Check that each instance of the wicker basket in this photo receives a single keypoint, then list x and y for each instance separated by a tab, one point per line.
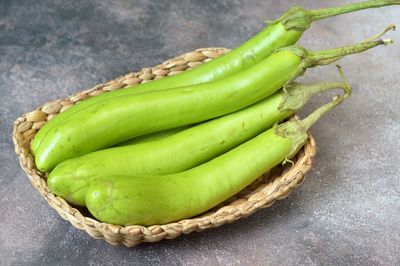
272	186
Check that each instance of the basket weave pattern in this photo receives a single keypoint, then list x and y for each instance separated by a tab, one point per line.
272	186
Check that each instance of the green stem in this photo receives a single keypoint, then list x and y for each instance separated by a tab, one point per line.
370	39
299	19
379	35
346	88
296	95
309	121
334	11
325	57
296	130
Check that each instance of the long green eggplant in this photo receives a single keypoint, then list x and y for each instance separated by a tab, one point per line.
112	121
153	136
285	31
183	150
150	200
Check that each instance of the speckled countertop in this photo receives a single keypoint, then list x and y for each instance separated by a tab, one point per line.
347	212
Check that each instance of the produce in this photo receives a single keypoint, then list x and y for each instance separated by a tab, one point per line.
153	136
109	122
149	200
168	132
184	149
285	31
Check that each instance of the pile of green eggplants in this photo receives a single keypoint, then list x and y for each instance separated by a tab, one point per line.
174	148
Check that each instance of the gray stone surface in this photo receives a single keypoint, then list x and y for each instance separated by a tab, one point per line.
347	212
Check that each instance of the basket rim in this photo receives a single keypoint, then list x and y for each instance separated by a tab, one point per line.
264	194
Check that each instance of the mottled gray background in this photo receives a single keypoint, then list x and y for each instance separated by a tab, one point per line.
347	212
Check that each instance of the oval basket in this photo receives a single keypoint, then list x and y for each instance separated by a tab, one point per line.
272	186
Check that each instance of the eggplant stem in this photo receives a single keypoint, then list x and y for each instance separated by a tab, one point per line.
309	121
346	85
334	11
379	35
370	39
325	57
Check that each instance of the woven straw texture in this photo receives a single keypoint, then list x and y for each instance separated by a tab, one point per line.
272	186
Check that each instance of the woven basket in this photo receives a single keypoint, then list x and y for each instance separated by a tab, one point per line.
272	186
